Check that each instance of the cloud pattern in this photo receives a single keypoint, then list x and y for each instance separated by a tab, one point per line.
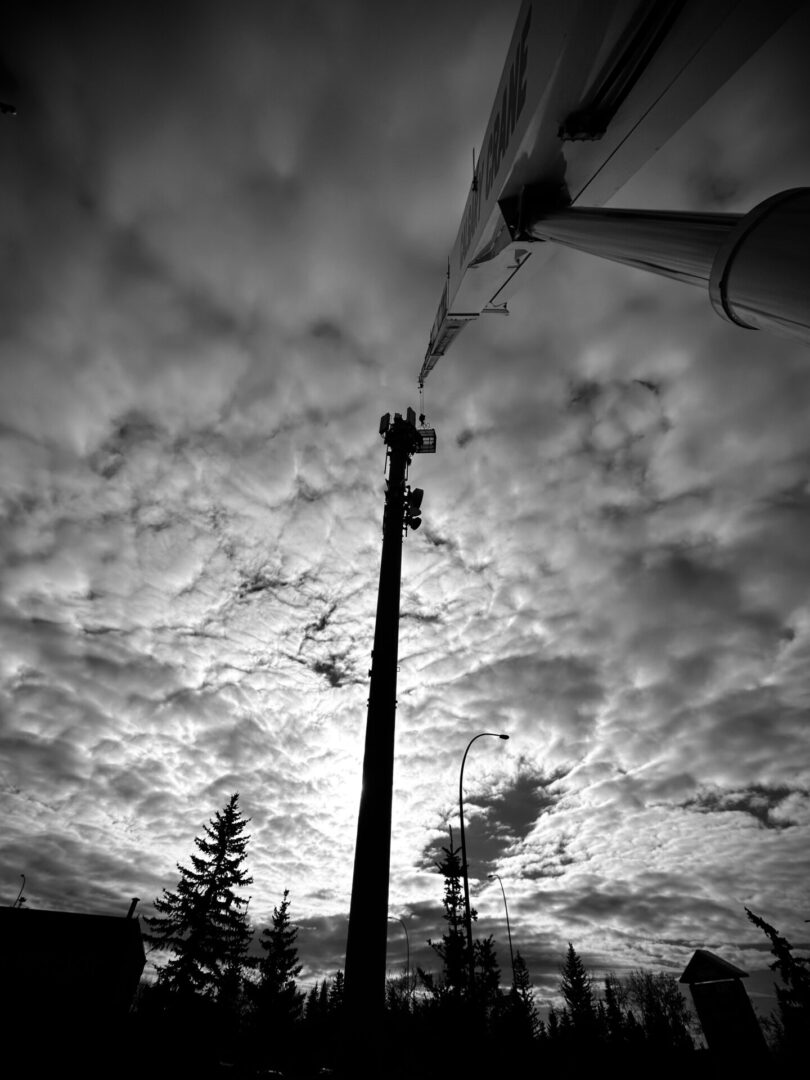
223	243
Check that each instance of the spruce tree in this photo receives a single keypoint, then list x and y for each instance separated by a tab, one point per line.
615	1019
793	996
323	999
487	972
276	1002
204	921
276	995
553	1025
522	999
314	1019
575	986
336	993
452	949
567	1030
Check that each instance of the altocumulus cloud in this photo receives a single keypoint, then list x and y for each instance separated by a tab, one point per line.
225	232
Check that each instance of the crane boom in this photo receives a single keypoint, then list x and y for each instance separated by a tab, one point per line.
589	91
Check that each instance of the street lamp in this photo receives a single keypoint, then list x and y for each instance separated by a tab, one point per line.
467	917
396	918
508	928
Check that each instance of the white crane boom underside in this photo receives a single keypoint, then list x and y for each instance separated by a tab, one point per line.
591	89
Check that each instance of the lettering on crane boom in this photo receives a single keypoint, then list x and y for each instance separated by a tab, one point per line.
500	134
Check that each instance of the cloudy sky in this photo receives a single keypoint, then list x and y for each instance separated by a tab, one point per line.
224	232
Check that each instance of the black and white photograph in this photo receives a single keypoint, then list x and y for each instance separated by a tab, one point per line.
404	538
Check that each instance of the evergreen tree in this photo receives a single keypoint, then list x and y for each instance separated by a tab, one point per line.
276	1001
311	1007
323	999
204	922
634	1032
316	1010
313	1019
601	1022
452	949
487	972
615	1020
334	1016
567	1028
524	1021
553	1025
575	986
793	997
276	994
336	992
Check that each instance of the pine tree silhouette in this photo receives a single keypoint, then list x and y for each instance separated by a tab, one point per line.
487	972
521	999
204	921
575	986
336	992
792	1028
311	1006
276	1002
452	949
278	968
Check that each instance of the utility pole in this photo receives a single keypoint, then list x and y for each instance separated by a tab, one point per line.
368	916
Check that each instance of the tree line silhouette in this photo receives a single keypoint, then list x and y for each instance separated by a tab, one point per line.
215	1008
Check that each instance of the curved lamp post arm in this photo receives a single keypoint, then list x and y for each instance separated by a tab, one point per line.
508	927
396	918
467	914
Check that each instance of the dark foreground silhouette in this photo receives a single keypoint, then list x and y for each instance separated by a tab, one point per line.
226	1003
